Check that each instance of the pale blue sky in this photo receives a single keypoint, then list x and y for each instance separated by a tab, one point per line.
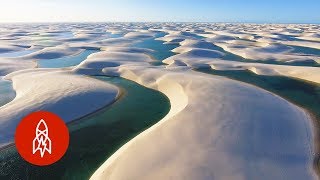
261	11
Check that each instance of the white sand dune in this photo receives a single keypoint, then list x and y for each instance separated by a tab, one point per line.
315	45
4	48
189	45
174	37
265	42
128	39
8	65
107	62
218	38
310	37
252	50
216	129
70	96
139	34
248	49
237	35
301	72
128	50
54	52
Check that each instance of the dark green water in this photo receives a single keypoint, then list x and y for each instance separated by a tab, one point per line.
301	93
95	138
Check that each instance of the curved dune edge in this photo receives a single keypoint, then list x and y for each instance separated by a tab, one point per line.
201	143
12	64
217	127
202	60
68	95
265	52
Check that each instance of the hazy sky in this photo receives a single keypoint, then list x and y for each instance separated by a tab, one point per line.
272	11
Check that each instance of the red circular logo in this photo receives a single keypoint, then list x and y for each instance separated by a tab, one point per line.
42	138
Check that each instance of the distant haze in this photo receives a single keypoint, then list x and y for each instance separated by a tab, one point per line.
256	11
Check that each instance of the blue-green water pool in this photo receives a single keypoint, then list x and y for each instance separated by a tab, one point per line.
65	61
96	137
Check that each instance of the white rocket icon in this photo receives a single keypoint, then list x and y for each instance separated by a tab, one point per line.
42	142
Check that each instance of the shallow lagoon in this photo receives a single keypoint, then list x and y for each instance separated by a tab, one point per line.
136	110
65	61
161	50
96	137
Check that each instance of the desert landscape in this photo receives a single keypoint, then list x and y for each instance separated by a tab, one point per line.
166	100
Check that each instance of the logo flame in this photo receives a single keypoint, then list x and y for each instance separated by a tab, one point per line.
42	142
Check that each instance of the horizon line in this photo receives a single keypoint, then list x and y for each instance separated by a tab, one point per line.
93	22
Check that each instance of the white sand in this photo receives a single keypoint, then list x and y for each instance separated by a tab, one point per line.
139	34
263	42
54	52
305	73
216	129
70	96
108	62
310	37
8	65
266	52
5	48
127	49
174	37
196	53
315	45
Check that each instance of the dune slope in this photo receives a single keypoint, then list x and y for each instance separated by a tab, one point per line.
70	96
216	129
